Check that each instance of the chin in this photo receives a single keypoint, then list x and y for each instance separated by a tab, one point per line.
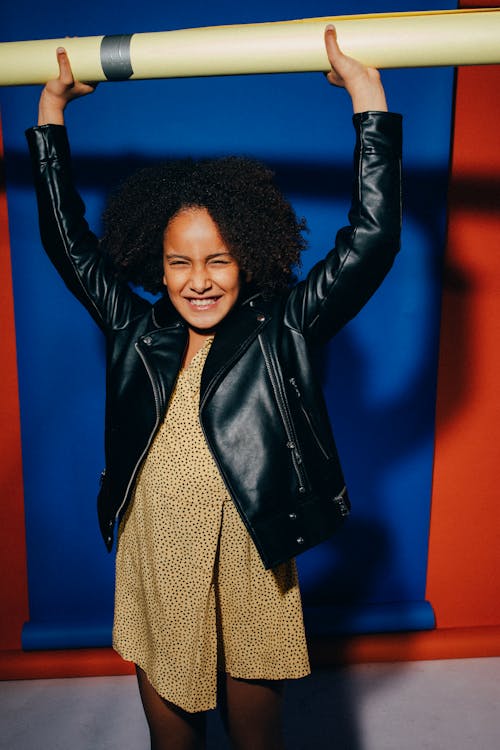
203	325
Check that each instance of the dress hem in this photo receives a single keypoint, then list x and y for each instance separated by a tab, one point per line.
236	674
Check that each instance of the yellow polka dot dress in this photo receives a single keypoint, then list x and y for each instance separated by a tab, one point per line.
192	595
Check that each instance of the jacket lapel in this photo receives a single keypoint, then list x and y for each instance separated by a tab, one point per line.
234	335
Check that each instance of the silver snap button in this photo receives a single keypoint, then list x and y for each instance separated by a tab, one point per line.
261	318
290	445
292	516
302	490
300	540
148	340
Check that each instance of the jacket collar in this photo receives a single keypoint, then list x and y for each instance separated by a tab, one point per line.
234	334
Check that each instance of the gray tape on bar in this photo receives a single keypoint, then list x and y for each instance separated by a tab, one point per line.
115	57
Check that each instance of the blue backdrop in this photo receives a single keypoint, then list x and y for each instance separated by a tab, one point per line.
379	373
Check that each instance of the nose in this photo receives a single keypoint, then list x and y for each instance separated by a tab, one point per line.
199	281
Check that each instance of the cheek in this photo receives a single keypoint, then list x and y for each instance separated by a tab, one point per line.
233	282
170	279
174	299
171	285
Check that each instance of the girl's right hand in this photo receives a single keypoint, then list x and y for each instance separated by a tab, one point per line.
362	82
58	92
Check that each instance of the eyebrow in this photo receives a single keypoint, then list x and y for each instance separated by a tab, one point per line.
208	257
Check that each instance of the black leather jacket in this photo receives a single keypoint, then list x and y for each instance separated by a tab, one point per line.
261	406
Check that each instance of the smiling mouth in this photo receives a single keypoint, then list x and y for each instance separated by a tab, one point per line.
202	304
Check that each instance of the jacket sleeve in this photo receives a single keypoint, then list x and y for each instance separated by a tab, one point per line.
69	243
338	286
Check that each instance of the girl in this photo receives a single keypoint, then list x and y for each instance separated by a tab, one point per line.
220	462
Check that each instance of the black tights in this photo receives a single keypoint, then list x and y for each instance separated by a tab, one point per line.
250	711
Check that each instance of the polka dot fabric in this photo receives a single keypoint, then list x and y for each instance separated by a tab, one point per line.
192	595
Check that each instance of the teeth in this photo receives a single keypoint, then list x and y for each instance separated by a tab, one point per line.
202	302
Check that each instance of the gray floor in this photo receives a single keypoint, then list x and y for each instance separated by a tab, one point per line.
434	705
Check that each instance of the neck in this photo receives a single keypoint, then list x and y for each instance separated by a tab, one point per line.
195	342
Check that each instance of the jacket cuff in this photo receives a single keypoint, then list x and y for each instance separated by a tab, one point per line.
48	143
379	132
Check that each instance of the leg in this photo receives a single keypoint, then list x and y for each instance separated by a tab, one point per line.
170	727
251	711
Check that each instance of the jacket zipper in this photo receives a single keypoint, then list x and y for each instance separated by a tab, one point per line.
339	499
293	382
153	432
292	442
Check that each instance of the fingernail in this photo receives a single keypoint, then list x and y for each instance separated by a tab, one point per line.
60	50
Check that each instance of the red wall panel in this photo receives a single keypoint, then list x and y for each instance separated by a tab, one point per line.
13	583
464	555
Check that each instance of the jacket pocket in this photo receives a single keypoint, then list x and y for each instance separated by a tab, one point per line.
309	419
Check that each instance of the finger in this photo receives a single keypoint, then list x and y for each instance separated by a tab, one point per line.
335	56
334	78
331	43
65	72
330	32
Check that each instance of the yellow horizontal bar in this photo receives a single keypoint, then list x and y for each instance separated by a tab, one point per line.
385	40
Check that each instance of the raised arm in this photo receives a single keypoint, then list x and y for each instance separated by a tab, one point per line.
338	286
71	246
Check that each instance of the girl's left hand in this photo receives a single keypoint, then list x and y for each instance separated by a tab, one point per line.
363	83
58	92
